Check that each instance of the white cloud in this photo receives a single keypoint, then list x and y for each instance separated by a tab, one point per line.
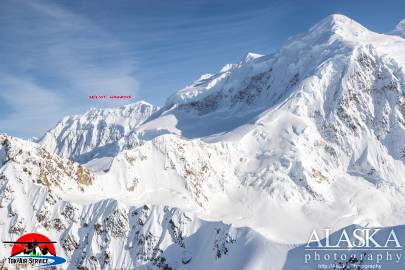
67	56
34	109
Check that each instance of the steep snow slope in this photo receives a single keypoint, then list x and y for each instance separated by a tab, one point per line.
96	133
330	105
97	233
236	95
111	233
106	233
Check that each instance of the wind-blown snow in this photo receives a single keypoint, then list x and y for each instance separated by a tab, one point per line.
400	29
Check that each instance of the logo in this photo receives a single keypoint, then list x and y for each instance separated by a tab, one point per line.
354	248
34	249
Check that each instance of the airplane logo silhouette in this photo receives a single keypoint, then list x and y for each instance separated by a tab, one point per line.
30	246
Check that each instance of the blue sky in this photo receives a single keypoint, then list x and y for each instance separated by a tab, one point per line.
54	54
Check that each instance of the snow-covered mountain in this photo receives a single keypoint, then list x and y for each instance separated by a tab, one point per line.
234	171
44	193
96	133
329	105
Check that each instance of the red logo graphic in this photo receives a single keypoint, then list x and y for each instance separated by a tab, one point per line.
27	244
34	249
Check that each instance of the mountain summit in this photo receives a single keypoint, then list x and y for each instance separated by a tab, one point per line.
338	24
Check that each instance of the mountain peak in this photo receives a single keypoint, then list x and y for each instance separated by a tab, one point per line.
335	20
79	137
338	19
249	57
138	105
338	24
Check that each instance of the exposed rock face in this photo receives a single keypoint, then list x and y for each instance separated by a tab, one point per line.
31	162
